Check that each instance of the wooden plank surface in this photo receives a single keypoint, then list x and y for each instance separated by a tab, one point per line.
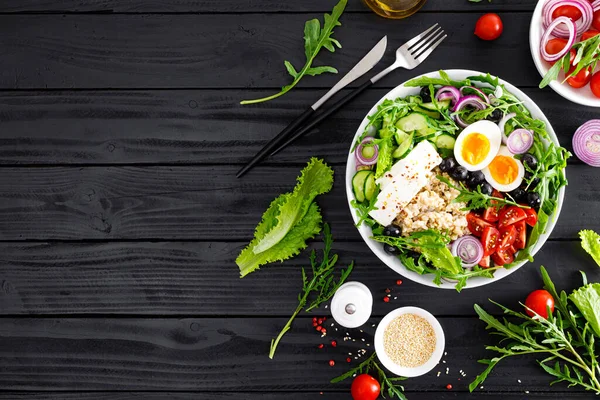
223	354
193	126
201	279
234	6
234	50
193	203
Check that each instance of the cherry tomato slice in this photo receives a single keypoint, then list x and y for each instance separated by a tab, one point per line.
539	301
595	84
491	214
508	235
580	79
476	224
485	262
589	34
532	217
521	238
502	257
596	20
556	45
567	11
490	239
489	27
510	215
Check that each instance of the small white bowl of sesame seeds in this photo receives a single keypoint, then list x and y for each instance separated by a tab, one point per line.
409	341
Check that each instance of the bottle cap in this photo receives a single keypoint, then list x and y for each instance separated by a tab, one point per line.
351	305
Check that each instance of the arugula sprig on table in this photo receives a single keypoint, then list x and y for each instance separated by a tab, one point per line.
567	339
322	284
388	385
315	39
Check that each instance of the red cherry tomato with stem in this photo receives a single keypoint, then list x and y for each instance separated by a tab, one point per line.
539	301
489	27
365	387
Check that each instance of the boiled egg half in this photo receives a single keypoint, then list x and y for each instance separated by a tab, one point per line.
505	172
477	145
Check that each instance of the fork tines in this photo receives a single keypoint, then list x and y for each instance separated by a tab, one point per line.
422	45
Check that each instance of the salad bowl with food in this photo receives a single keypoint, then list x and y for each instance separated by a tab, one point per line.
455	179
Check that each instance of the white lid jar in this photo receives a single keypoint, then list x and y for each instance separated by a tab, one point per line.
352	304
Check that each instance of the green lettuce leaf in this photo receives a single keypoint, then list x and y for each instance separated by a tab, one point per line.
587	300
295	241
316	178
590	241
440	257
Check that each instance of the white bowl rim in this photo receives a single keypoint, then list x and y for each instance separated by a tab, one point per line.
393	262
583	96
437	352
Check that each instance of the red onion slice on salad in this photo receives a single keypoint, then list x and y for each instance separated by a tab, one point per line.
552	30
581	25
469	249
476	91
519	141
586	143
448	92
503	122
367	152
472	101
596	5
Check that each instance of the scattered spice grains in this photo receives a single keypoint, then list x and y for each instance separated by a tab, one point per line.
331	363
399	282
449	386
321	346
386	299
333	343
409	340
348	359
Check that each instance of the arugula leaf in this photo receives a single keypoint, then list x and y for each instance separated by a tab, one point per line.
315	39
475	199
316	178
384	160
290	220
587	300
443	80
590	241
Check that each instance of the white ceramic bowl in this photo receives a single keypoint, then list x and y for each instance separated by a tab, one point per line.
580	96
365	231
405	371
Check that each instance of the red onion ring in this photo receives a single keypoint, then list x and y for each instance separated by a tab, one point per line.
586	143
360	158
471	100
520	141
553	27
503	122
581	25
596	5
469	249
477	91
448	92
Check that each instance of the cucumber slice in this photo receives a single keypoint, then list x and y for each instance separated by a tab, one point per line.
445	141
386	132
429	113
401	136
358	184
404	147
370	187
415	122
444	105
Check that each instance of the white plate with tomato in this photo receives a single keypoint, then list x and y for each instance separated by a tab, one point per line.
562	32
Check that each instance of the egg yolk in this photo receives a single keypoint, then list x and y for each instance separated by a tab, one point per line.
475	148
504	169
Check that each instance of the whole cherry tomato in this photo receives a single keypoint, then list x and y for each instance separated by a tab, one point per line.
365	387
539	301
489	27
595	84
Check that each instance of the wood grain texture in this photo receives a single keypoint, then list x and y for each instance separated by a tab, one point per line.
223	354
201	279
193	126
193	203
233	6
233	50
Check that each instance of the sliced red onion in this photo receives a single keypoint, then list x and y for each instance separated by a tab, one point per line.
469	249
360	157
477	91
472	101
549	31
519	141
503	122
596	5
586	143
581	25
448	92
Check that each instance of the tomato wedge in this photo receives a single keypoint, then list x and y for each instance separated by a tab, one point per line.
491	214
476	224
502	257
512	249
532	217
485	262
589	34
508	235
521	238
580	79
510	216
490	239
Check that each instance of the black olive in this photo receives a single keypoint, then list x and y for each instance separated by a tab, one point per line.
517	194
529	160
495	115
391	250
530	183
425	94
448	164
533	200
459	173
486	188
392	230
414	255
475	179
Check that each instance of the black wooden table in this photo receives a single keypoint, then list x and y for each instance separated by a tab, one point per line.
121	217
